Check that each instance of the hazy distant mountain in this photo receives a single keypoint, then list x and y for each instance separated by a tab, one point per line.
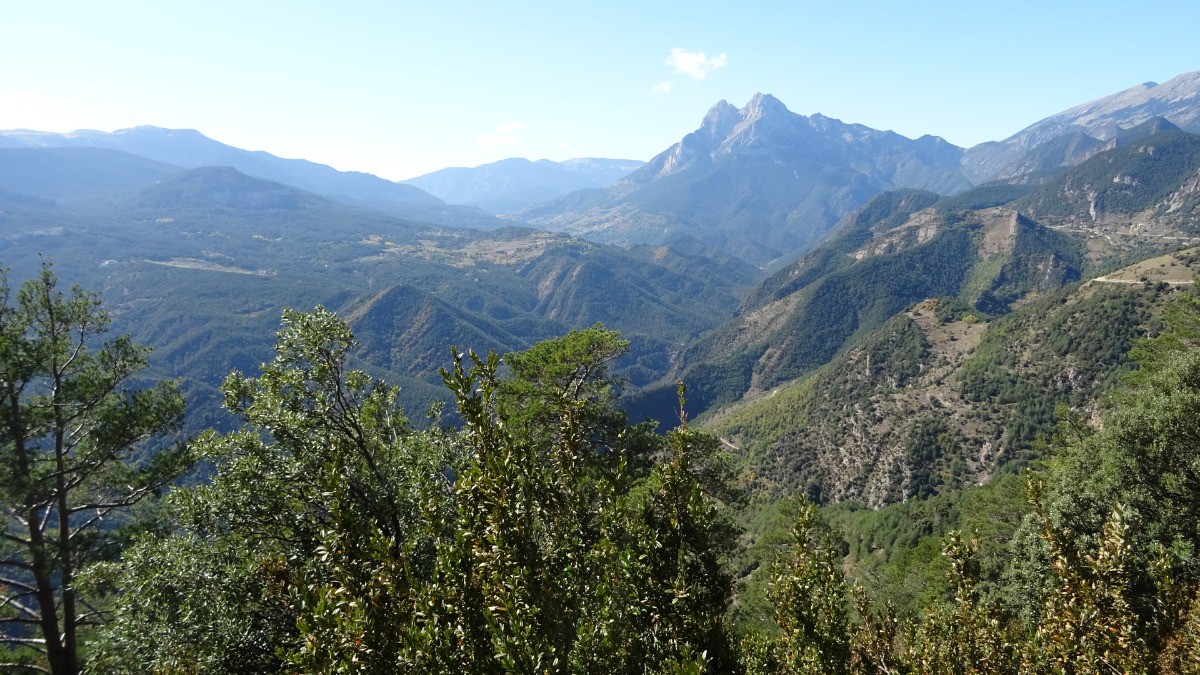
190	149
1075	134
222	187
76	173
513	184
199	262
760	182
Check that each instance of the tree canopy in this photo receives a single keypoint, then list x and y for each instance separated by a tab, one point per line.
80	446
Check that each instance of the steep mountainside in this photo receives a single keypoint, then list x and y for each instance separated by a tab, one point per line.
938	397
511	185
1128	202
1075	134
191	149
1140	174
759	182
955	387
896	251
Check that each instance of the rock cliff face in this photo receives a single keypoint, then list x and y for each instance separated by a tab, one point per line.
760	182
765	128
1073	135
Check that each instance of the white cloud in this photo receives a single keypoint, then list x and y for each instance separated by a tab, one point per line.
503	136
662	88
695	64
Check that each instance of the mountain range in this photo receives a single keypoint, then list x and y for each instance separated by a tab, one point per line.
200	262
187	148
1073	135
511	185
766	184
818	285
759	181
928	341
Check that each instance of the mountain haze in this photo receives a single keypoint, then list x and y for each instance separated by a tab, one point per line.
198	256
200	262
72	174
513	184
187	148
760	182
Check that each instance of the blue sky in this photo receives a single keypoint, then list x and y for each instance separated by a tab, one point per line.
400	88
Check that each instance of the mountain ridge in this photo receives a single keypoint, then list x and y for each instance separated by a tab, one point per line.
1101	120
512	184
188	148
760	182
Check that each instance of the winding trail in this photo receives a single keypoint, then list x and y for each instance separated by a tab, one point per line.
1132	282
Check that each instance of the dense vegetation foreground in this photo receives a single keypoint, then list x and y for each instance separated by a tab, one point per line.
541	532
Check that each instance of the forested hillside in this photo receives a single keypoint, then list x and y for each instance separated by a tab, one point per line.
940	396
545	534
895	252
200	263
991	248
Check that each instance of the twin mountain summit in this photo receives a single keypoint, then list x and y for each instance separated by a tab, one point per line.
827	291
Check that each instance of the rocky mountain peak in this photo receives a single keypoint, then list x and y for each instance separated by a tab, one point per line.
763	117
762	105
720	120
724	130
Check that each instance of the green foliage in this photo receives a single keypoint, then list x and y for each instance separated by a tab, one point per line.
326	464
950	308
883	261
548	535
1039	260
983	197
877	289
79	447
810	601
1181	319
567	377
1061	350
1127	179
1095	574
965	635
1088	617
545	535
895	552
